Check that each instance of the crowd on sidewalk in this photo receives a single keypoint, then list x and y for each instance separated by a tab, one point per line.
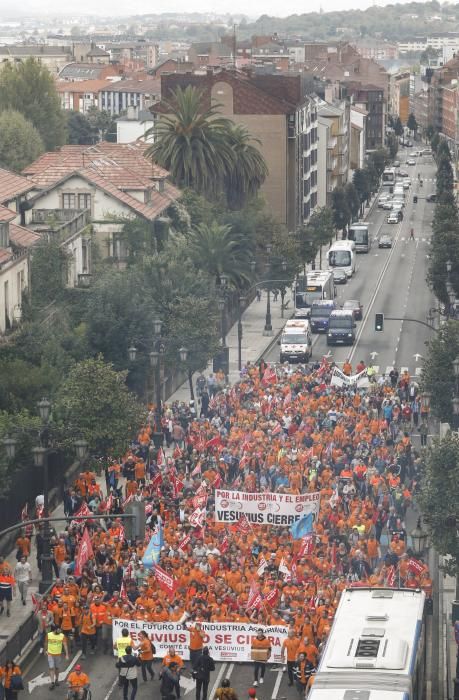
283	431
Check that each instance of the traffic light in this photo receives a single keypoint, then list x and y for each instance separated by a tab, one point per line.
379	322
135	527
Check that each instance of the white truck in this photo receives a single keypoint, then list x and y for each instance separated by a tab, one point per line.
296	341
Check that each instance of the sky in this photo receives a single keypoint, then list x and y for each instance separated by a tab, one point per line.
253	9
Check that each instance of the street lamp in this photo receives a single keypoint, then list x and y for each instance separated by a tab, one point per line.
419	539
44	409
183	354
81	449
132	351
10	447
221	306
268	329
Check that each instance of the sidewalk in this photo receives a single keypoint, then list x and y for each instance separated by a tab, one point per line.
254	343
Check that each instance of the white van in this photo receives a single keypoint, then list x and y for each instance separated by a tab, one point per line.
296	341
342	255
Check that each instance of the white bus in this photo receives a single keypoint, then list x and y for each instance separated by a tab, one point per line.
388	177
342	255
376	647
314	286
360	234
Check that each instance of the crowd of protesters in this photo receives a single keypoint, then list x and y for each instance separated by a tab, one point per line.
287	431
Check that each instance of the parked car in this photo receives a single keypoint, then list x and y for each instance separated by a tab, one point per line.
406	183
432	197
339	276
403	173
414	154
355	306
387	204
385	241
384	198
396	163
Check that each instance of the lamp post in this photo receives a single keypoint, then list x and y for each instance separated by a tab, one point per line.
455	399
239	333
268	329
419	539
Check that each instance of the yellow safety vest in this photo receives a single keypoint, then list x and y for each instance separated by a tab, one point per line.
55	642
121	644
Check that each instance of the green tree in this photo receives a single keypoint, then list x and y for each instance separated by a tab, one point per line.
192	142
79	129
398	127
102	123
392	142
93	402
434	142
439	499
20	142
48	273
29	88
378	160
321	228
412	123
218	249
249	170
352	200
341	211
430	131
362	184
28	425
445	180
443	152
438	373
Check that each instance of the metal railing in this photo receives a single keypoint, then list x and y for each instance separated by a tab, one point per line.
61	224
15	645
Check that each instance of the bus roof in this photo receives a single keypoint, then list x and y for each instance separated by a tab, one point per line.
375	630
318	276
342	245
355	694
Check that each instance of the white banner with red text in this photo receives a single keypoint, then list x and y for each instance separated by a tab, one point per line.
227	641
265	508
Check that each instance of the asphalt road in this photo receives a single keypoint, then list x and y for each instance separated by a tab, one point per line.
391	281
103	676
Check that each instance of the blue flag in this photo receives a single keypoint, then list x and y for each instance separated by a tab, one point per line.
302	527
151	555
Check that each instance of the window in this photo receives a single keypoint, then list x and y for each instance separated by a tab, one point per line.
84	201
68	200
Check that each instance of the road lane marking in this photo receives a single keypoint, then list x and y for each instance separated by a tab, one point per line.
217	681
112	688
277	684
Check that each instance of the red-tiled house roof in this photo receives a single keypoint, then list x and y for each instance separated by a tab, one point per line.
12	185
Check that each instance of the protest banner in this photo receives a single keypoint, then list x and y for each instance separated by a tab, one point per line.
338	378
227	641
264	508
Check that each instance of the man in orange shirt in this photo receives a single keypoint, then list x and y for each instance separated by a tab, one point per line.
78	683
261	651
290	653
197	637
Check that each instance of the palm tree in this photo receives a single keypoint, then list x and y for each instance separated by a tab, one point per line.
219	250
192	142
249	171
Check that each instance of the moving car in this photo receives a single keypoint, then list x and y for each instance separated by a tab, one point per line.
296	341
394	217
355	306
414	154
411	161
385	241
396	163
381	201
341	327
403	173
406	183
431	197
388	204
339	276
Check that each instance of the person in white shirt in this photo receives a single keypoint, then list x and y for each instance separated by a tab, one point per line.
23	576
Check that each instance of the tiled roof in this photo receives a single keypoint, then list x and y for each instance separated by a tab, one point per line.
249	97
12	185
150	86
22	237
84	71
5	255
7	214
82	85
114	168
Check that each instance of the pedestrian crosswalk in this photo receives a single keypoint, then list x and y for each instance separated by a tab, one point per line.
413	372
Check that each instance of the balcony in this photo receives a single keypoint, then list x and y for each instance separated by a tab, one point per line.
59	224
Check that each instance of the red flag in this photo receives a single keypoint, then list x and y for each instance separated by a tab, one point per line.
166	582
243	524
122	534
254	599
307	545
224	545
184	543
25	512
277	429
218	481
82	510
213	442
160	458
128	499
157	480
36	602
324	366
84	553
391	576
262	566
199	501
269	376
198	517
416	567
177	486
197	470
123	592
271	597
177	453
